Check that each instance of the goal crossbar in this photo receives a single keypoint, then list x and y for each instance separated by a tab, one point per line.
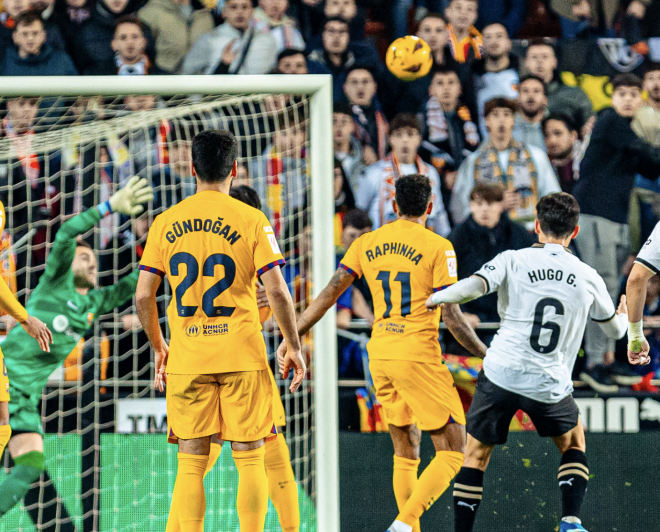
319	89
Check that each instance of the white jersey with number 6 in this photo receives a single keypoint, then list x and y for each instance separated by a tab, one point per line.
545	296
649	255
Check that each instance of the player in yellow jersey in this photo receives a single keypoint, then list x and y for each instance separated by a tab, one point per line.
34	327
403	263
282	487
211	246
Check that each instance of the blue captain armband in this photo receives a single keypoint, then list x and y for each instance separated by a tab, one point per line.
104	209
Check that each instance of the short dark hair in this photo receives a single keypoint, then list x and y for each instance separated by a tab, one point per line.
560	117
129	19
652	67
342	108
353	68
213	155
488	193
527	77
27	18
333	19
413	194
558	214
443	69
357	218
289	52
404	120
496	24
626	80
540	41
80	243
247	195
497	103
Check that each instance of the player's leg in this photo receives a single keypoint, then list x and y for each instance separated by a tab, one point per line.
282	486
193	406
488	423
405	435
449	443
428	392
406	441
27	451
469	483
246	400
573	476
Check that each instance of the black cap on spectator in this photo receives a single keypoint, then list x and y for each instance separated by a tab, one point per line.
627	80
357	218
560	117
368	68
404	120
288	52
342	108
527	77
498	103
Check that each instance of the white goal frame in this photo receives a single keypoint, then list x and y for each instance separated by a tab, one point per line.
319	88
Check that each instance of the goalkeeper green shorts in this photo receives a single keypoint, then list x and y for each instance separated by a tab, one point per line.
24	413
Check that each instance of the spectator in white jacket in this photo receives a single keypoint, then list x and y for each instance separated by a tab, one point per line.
524	170
235	47
376	188
271	17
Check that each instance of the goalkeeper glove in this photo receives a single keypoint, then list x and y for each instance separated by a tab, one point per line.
128	200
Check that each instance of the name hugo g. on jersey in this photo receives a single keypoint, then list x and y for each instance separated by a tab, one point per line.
403	263
210	247
545	296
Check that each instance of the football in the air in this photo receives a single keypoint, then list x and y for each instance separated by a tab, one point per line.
409	58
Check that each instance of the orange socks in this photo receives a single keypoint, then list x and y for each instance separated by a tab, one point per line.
404	480
188	499
282	487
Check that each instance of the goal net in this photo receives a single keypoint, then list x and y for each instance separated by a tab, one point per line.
105	445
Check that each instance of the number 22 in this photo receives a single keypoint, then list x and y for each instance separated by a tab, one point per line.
208	270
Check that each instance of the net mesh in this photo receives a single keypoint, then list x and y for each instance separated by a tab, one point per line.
60	156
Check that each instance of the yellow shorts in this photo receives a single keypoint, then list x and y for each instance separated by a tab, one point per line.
235	406
4	381
279	415
416	392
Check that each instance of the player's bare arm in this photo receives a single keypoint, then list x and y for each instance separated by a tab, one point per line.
339	282
638	347
282	305
147	309
463	332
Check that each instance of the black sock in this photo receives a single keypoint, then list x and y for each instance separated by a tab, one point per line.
573	478
49	519
468	490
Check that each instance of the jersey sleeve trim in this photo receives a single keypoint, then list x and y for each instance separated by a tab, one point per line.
647	265
441	288
477	274
270	266
349	270
150	269
604	319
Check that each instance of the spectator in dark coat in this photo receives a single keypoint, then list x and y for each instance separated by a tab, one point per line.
129	45
338	54
291	61
487	232
563	148
612	160
509	13
93	48
31	55
13	8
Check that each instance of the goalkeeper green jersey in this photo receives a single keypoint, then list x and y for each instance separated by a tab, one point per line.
57	303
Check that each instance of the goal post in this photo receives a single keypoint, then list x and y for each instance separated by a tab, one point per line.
318	88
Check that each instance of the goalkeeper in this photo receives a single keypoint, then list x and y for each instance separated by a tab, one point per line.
65	299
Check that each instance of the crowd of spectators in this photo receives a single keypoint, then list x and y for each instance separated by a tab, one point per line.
525	98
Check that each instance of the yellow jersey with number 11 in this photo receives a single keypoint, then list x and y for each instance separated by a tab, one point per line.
210	246
403	264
